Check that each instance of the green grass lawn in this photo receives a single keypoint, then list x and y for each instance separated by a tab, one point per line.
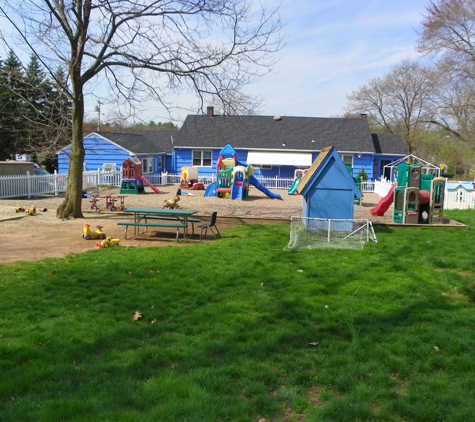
240	330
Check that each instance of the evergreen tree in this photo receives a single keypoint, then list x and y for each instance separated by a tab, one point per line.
60	117
38	95
35	114
11	104
5	150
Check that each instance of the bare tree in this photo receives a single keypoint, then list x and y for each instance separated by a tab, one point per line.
399	102
449	36
449	33
146	49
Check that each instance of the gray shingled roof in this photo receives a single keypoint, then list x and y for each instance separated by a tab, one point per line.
264	132
143	142
388	144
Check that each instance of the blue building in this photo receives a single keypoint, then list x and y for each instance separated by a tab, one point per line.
109	150
274	145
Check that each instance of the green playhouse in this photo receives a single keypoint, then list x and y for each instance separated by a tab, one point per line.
132	182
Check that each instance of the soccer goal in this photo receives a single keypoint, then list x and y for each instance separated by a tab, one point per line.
312	233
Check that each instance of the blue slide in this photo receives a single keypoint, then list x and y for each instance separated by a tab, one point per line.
293	188
254	182
211	190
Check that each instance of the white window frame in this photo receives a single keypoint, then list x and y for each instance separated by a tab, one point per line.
262	166
198	158
147	165
347	156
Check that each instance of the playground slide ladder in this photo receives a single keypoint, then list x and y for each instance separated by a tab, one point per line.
237	191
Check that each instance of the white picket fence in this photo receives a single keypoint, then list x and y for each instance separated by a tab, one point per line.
99	178
459	199
32	185
55	184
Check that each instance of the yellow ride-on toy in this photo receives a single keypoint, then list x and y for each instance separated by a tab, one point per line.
88	234
107	242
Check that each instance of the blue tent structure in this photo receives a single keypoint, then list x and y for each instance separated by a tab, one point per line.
328	188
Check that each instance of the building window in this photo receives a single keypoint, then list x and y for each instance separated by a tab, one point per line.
375	168
201	158
147	165
262	166
347	160
159	161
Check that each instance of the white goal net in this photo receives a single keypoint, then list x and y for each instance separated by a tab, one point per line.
312	233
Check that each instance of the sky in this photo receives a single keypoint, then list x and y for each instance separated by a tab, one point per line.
333	47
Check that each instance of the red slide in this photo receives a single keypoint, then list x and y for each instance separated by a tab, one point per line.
144	179
384	203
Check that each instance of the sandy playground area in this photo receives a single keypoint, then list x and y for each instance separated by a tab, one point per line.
31	238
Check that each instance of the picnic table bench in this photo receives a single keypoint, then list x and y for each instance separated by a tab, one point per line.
188	220
178	226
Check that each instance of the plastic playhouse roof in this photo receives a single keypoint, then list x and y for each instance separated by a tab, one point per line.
427	167
468	186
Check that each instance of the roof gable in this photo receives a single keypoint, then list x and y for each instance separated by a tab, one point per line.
461	185
142	142
327	168
138	142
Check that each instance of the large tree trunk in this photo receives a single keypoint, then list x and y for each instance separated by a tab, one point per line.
72	204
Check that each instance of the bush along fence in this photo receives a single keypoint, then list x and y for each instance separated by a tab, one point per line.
55	184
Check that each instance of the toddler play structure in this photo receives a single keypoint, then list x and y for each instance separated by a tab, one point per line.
132	178
418	198
189	179
233	178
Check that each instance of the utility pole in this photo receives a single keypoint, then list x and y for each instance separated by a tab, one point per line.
98	109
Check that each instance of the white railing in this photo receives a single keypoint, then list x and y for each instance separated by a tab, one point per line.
382	187
32	185
459	200
367	186
91	180
55	184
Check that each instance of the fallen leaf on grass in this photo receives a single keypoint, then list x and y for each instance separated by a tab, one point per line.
436	349
313	344
154	271
153	321
300	271
137	316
